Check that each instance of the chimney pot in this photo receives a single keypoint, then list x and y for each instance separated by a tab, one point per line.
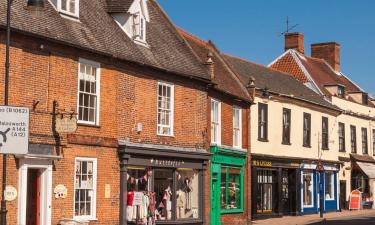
294	41
329	51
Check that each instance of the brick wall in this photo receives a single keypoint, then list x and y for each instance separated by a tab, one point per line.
128	97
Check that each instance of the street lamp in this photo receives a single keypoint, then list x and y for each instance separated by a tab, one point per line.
33	6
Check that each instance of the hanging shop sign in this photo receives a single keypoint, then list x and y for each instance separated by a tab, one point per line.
66	124
10	193
60	191
355	200
14	130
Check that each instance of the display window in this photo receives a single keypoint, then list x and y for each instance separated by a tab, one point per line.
308	189
329	186
266	189
162	194
231	188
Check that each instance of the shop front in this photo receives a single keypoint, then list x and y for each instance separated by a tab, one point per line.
313	183
275	186
363	176
161	184
227	182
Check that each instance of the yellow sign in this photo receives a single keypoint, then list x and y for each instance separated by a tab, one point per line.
262	163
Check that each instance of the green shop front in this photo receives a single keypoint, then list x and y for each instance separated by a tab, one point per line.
227	182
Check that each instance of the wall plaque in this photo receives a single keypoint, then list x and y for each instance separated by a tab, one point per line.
60	191
10	193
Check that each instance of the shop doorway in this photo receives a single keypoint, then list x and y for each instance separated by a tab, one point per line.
215	195
33	197
288	191
343	194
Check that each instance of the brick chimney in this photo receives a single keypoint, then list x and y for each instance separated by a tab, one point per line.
329	51
294	41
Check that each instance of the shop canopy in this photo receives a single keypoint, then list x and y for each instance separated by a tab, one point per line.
367	168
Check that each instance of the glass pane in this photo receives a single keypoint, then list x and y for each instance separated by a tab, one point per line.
63	5
187	205
163	187
308	184
223	188
72	6
139	179
234	188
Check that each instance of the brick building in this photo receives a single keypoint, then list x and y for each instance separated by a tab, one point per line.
140	96
228	107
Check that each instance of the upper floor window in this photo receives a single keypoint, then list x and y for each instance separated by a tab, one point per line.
85	188
341	91
306	129
68	7
215	122
286	126
237	134
353	139
364	141
341	137
364	99
165	108
139	27
88	92
324	133
262	122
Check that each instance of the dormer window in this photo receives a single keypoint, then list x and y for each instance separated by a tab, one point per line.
364	99
67	7
134	21
341	91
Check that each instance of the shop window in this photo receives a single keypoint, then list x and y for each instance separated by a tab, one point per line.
286	126
329	186
324	133
237	134
341	137
165	109
262	122
231	189
215	122
85	188
88	92
306	129
364	141
308	189
152	192
266	187
353	139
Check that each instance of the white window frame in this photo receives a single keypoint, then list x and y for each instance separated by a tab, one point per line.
332	187
141	27
239	129
66	12
313	186
171	117
218	138
98	83
95	174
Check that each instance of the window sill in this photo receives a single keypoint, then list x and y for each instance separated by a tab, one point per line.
325	149
263	140
231	211
165	135
286	143
342	151
306	146
83	124
84	219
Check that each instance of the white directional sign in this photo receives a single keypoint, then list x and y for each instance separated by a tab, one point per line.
14	130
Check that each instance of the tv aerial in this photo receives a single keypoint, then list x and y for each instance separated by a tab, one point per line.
289	27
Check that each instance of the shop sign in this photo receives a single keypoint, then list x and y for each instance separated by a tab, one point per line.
14	130
66	125
355	200
262	163
10	193
173	163
264	210
60	191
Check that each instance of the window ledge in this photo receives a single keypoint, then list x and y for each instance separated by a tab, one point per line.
286	143
231	211
84	219
325	149
83	124
165	135
263	140
306	146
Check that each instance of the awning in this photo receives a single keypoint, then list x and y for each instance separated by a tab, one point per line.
367	168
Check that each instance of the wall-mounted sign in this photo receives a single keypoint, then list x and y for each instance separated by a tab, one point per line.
10	193
262	163
60	191
66	124
173	163
107	191
14	130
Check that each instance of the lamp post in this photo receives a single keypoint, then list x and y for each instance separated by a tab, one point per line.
33	6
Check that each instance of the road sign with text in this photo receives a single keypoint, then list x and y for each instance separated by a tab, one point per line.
14	130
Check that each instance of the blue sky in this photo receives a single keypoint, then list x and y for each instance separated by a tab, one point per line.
251	28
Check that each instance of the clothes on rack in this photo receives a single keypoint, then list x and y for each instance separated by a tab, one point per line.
141	208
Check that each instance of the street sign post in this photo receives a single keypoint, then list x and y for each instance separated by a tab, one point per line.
320	169
14	130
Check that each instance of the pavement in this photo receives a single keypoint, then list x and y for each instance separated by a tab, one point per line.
361	217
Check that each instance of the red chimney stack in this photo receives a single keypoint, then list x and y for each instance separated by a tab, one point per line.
329	51
294	41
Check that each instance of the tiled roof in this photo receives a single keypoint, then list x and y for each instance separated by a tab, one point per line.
224	78
118	6
362	158
97	31
319	71
275	81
